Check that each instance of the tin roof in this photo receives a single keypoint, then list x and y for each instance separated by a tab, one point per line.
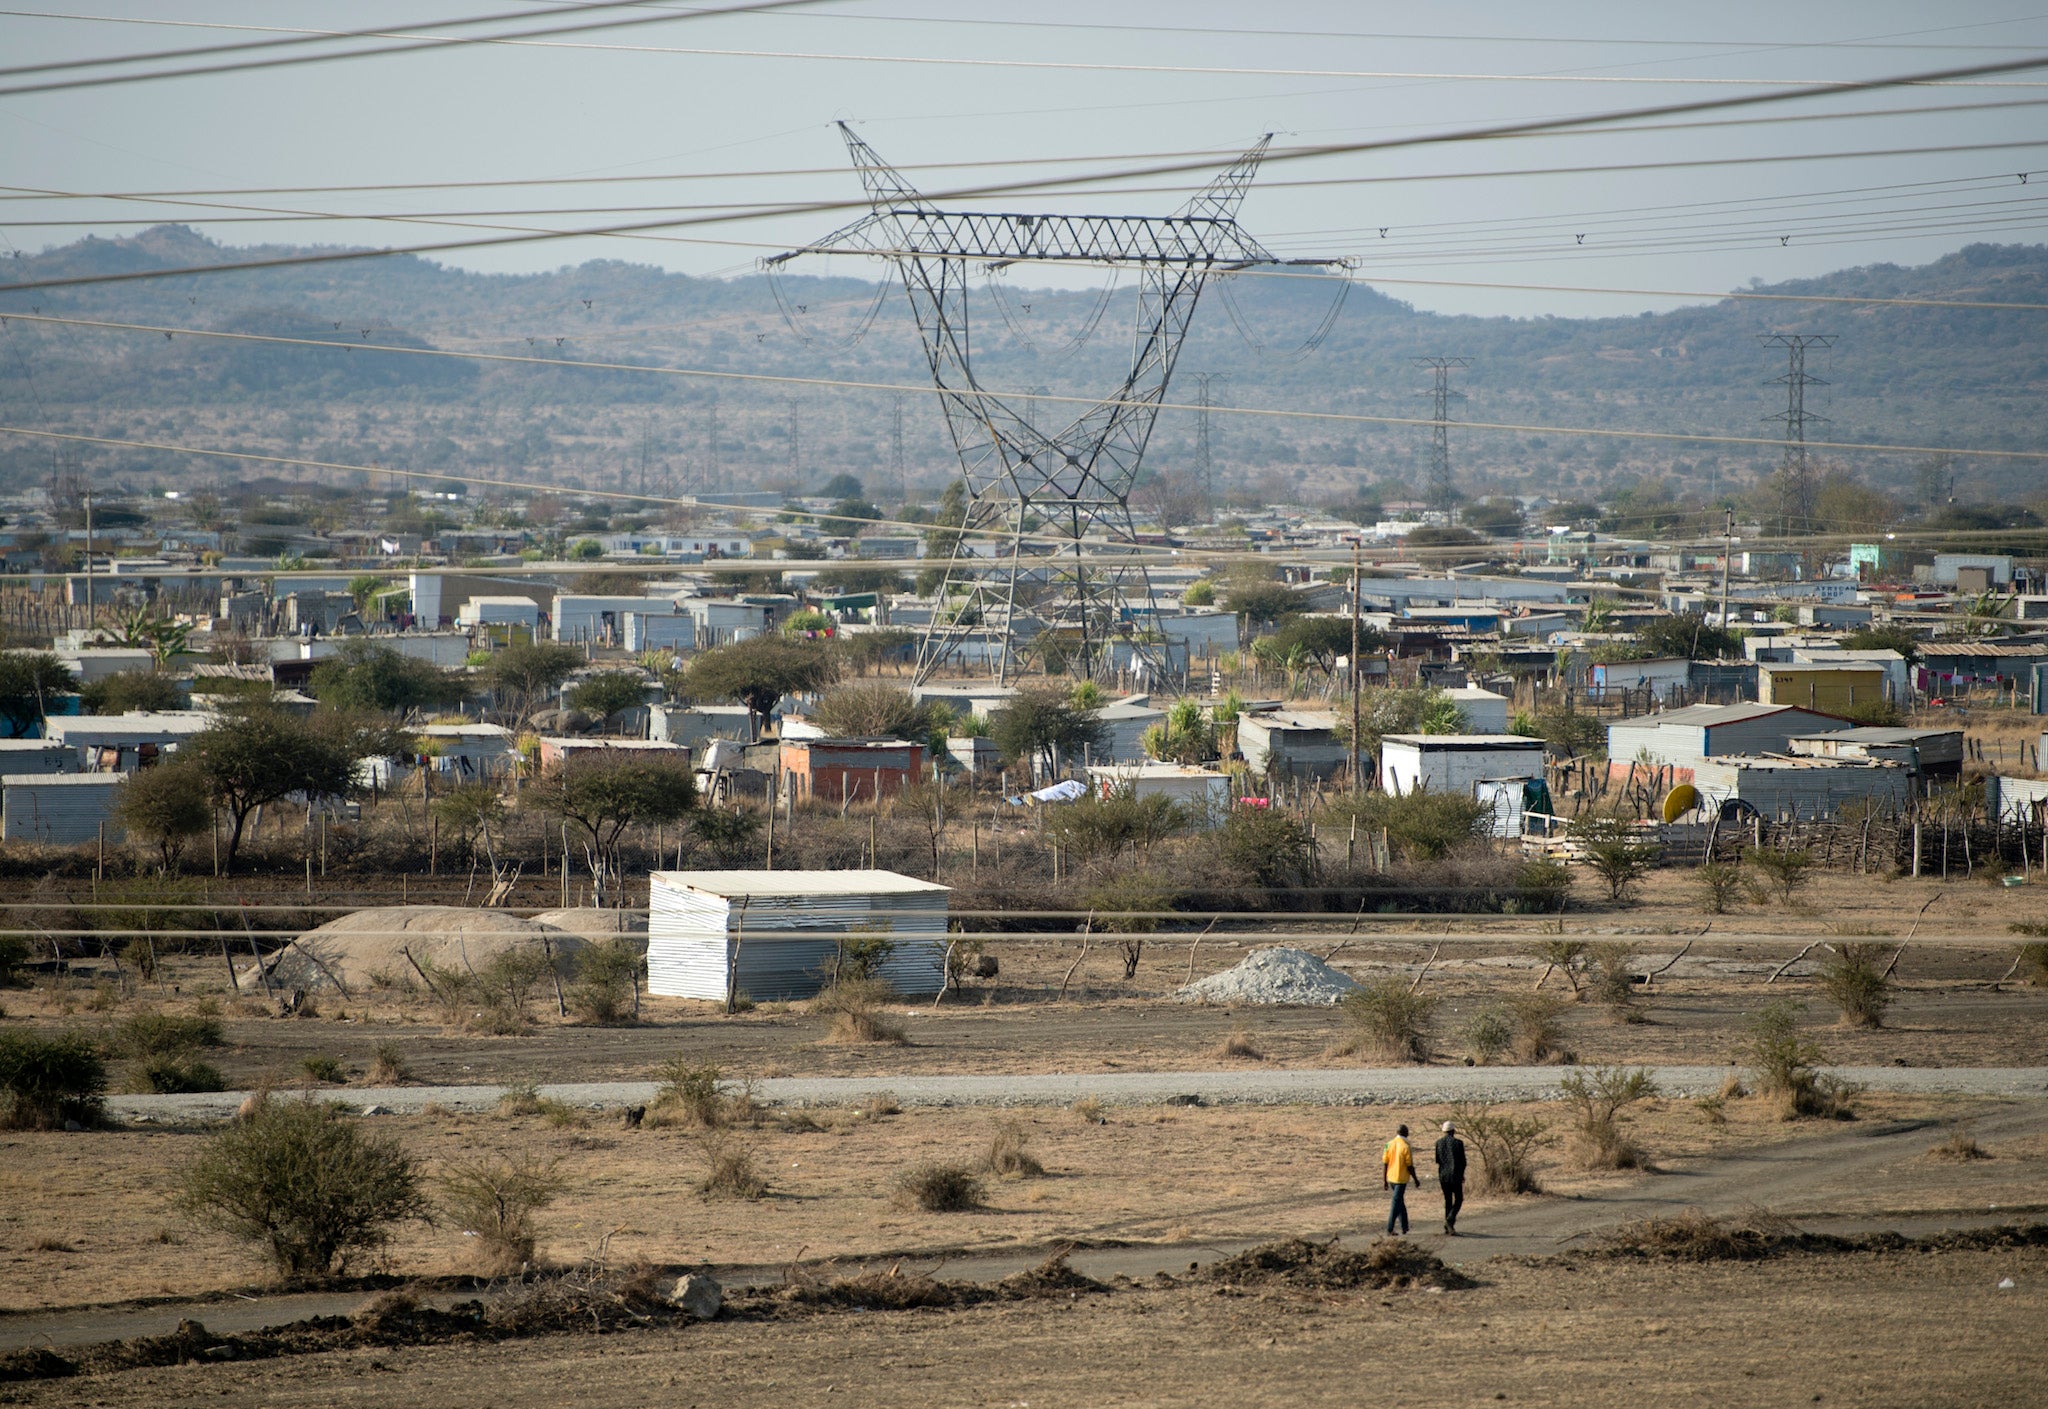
753	884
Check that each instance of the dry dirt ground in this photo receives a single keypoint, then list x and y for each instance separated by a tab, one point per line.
1900	1329
88	1218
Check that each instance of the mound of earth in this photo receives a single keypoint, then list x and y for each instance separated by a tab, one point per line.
1271	976
1388	1263
369	946
593	925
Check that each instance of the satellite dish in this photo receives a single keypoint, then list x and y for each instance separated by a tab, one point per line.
1679	801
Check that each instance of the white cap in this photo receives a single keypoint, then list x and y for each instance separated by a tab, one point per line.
1448	1127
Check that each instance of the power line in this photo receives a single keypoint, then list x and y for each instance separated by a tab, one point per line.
1477	134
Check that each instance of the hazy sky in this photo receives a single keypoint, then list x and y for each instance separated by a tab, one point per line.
726	99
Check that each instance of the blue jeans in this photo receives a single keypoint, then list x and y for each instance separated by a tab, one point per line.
1398	1213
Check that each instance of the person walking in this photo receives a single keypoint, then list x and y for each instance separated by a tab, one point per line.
1450	1175
1398	1172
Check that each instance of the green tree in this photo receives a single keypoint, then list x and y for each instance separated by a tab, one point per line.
758	673
1883	638
1186	735
1261	602
1045	725
471	810
1199	594
306	1183
1496	518
523	675
127	690
363	587
1689	636
1317	640
849	580
28	680
165	807
1616	852
368	675
605	794
608	693
259	753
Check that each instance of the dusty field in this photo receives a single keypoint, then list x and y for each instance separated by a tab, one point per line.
88	1219
1911	1329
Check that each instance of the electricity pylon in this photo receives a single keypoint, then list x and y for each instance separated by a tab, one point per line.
1048	500
1442	489
1797	501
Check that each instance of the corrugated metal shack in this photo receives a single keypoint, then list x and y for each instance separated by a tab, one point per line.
772	935
1292	744
1799	789
1926	753
1453	763
58	809
37	756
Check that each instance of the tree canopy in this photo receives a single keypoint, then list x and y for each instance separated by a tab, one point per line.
522	675
1045	725
872	710
259	753
371	675
609	692
165	807
128	690
27	681
1689	636
609	792
1262	603
1318	640
758	673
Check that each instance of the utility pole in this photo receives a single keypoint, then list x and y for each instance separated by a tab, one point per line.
1441	488
87	499
1357	673
1727	558
1796	502
796	457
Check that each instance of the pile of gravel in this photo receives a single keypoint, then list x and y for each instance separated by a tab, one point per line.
1278	975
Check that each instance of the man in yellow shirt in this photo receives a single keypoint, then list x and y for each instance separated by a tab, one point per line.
1399	1171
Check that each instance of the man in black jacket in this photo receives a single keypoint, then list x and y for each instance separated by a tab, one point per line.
1450	1175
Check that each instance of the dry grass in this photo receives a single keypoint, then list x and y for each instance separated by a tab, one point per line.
688	1095
1960	1147
857	1009
730	1172
1387	1020
388	1066
1090	1111
523	1099
1238	1047
939	1188
1692	1236
1007	1157
879	1106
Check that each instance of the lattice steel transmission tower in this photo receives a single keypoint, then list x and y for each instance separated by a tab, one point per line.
1205	464
1442	489
1048	501
1796	501
896	462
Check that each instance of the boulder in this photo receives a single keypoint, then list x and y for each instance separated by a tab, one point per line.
699	1295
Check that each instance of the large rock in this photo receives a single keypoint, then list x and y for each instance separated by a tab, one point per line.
699	1295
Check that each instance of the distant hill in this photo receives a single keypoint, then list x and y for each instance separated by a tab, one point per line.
1904	375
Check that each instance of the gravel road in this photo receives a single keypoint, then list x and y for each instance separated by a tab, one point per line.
1353	1087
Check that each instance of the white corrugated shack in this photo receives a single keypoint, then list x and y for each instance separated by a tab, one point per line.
1454	763
59	809
772	935
37	756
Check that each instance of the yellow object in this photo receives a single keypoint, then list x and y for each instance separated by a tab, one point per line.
1679	801
1400	1161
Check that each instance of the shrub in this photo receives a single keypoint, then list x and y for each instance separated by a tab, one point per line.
522	1099
1784	1061
1089	1111
1420	826
1718	884
1539	1026
304	1182
861	952
1238	1045
1491	1033
1599	1100
1787	870
1389	1020
1615	851
388	1066
1007	1158
938	1188
607	975
1541	886
1568	956
1505	1144
48	1080
1614	979
729	1170
496	1200
321	1067
857	1012
2033	960
14	957
1264	847
176	1075
154	1034
1960	1147
1853	976
689	1091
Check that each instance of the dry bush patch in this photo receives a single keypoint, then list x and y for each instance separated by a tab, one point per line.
1387	1020
1238	1047
730	1171
1960	1147
939	1188
494	1200
858	1011
1007	1157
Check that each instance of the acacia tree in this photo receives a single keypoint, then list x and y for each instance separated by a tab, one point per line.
523	675
872	710
1044	724
605	794
609	692
165	806
27	681
260	753
371	675
758	673
127	690
1317	640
